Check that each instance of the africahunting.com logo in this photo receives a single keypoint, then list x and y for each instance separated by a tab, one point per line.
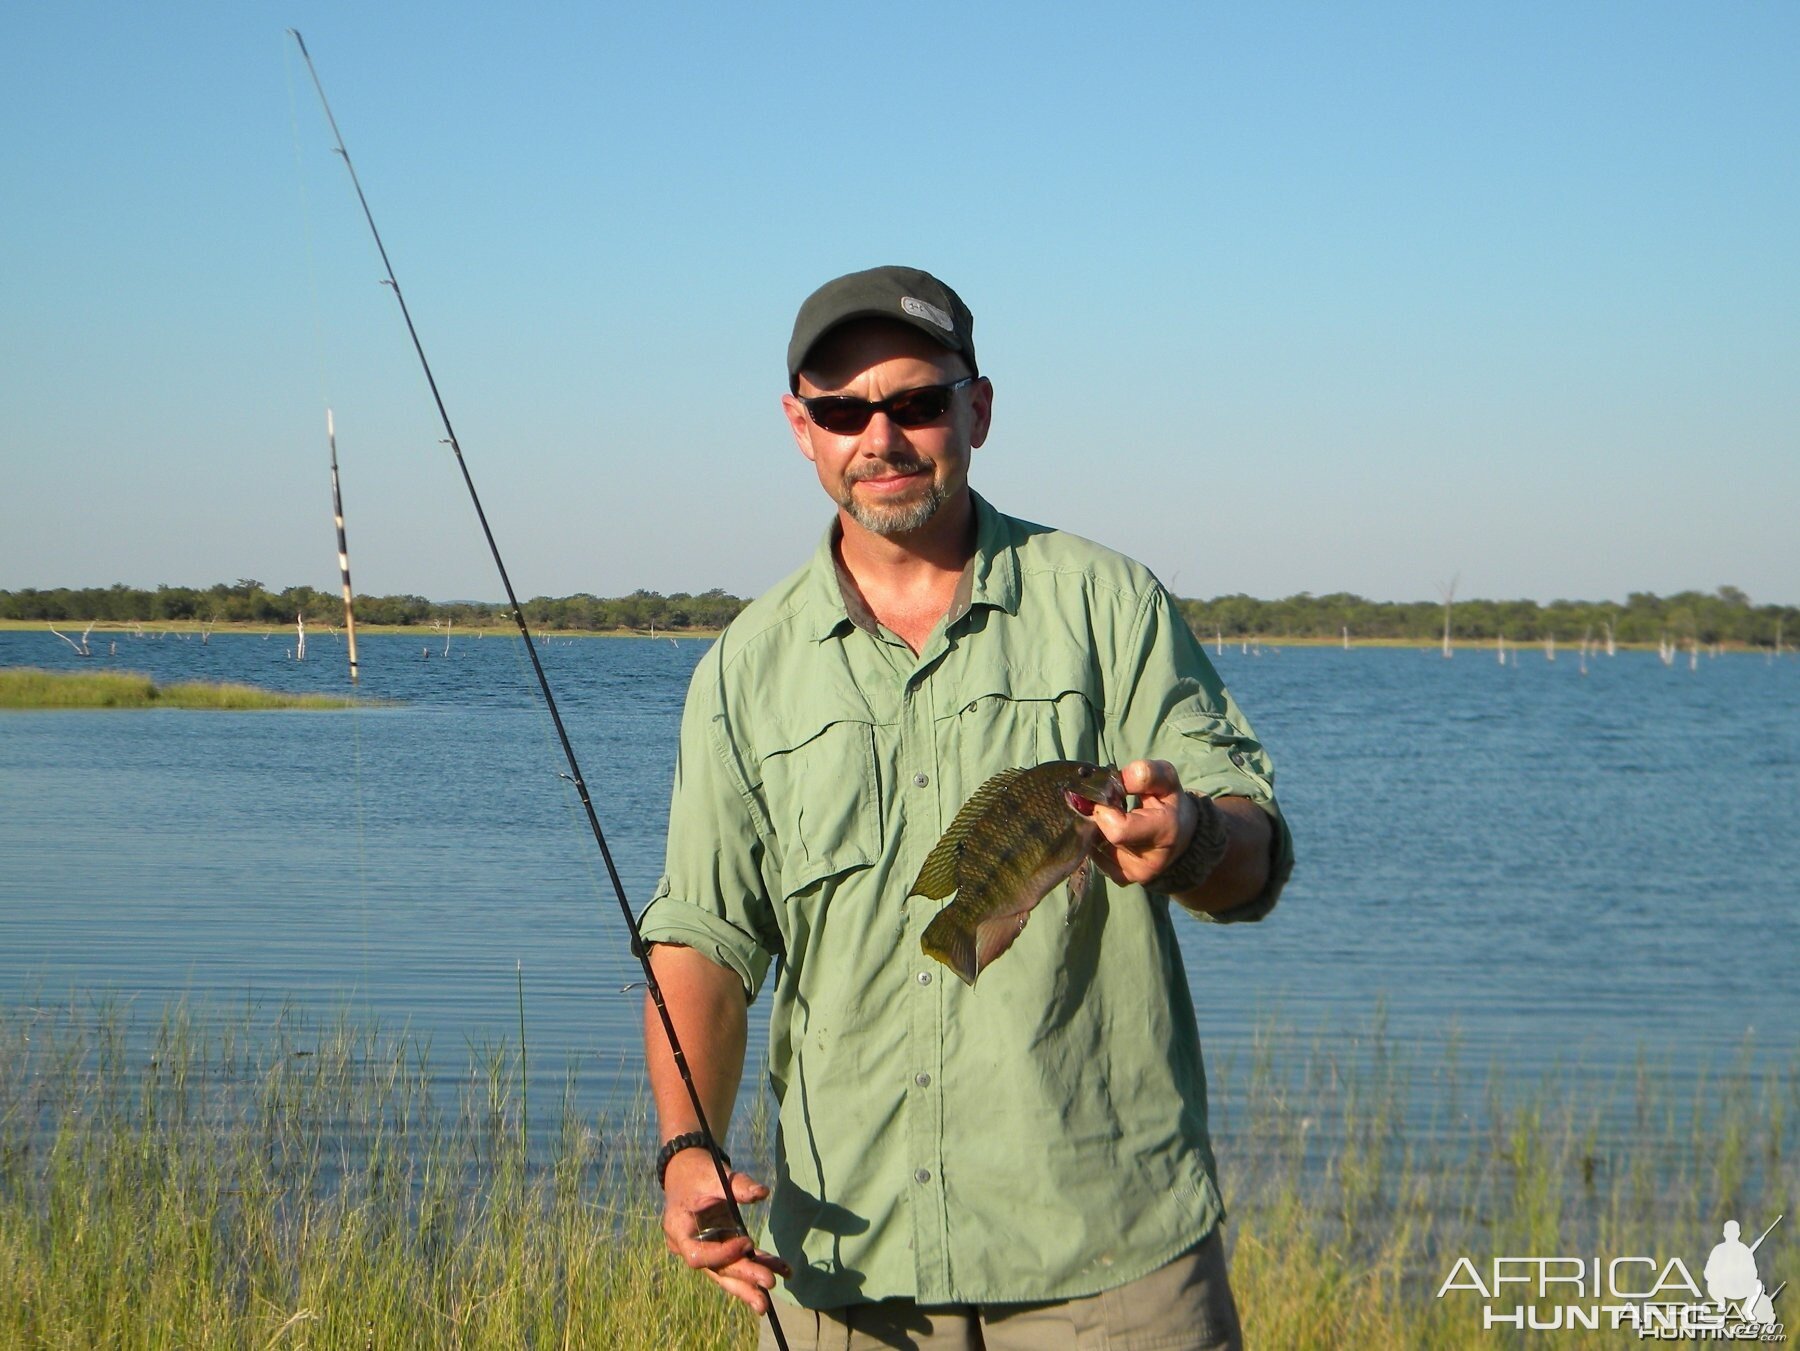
1657	1299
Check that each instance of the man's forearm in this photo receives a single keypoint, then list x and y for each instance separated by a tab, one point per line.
1243	871
706	1002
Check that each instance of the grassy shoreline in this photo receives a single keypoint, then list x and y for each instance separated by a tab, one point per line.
259	1180
24	688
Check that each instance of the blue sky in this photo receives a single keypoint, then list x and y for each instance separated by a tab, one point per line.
1275	298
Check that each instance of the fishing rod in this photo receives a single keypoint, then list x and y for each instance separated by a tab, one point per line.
638	950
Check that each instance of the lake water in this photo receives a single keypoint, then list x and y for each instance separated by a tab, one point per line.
1542	866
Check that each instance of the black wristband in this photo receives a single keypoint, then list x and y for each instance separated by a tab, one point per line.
689	1140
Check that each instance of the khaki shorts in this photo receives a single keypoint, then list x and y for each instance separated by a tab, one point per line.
1184	1306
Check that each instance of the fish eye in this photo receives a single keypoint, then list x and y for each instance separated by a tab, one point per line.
1084	770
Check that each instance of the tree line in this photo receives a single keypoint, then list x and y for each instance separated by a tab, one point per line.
248	601
1723	616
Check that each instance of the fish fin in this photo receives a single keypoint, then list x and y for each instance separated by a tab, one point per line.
937	878
1078	885
994	936
946	939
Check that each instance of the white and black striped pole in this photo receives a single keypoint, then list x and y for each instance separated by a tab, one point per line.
337	511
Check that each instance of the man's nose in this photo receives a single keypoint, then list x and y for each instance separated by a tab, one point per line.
881	435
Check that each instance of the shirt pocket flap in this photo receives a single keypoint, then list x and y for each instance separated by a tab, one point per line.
1025	715
823	797
1018	680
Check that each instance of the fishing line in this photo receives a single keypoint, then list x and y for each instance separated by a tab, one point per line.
518	613
319	361
356	753
589	870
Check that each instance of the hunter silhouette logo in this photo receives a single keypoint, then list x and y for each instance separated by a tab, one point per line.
1731	1278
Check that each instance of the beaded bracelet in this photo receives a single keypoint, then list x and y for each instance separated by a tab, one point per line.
689	1140
1205	849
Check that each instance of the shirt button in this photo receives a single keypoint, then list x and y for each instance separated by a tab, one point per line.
923	1175
921	779
922	1079
924	977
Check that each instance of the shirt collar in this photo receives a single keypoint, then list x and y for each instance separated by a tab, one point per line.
991	579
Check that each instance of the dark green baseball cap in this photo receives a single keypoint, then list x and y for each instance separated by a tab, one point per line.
906	295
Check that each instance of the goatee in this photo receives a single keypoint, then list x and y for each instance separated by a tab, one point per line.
893	518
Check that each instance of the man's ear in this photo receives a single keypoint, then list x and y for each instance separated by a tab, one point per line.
799	423
981	407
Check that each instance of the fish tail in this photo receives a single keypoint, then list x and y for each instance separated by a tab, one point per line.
953	944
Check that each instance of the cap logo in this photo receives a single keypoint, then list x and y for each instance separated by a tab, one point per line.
930	313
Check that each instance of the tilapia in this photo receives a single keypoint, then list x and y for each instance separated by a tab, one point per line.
1021	833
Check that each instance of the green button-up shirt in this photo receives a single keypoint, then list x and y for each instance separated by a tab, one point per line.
1043	1134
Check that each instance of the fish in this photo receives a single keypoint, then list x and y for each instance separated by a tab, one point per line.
1017	836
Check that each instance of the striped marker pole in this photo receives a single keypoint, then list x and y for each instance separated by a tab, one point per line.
337	510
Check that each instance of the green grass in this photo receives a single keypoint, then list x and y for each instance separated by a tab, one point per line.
1350	1203
260	1181
281	1185
28	687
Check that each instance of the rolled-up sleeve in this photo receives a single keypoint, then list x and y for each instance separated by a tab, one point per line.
1171	705
712	896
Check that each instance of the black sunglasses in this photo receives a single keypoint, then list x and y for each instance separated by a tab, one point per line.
846	415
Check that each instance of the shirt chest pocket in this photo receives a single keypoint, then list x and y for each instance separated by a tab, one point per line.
1021	716
824	798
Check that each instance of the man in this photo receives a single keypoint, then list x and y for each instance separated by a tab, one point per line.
1023	1163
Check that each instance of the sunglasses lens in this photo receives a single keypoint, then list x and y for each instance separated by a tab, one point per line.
918	407
844	415
841	416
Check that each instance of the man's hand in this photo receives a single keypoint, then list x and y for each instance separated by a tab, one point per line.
692	1203
1139	845
707	1003
1136	846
